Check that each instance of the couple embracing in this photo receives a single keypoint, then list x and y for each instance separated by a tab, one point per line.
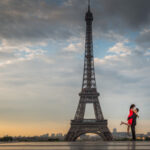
133	114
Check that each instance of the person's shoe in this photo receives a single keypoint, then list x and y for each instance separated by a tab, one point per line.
129	135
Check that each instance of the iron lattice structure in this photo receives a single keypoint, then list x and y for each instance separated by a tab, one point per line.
88	94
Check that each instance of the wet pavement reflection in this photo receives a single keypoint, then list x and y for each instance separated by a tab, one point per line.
126	145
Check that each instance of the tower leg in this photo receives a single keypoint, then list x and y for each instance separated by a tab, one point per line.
80	111
97	110
78	129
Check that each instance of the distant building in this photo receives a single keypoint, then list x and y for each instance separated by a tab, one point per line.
84	137
44	135
52	135
59	135
148	134
114	130
122	135
141	136
119	135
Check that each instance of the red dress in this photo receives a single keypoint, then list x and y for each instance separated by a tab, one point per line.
130	114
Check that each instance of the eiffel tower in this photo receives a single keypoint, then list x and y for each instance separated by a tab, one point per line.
88	94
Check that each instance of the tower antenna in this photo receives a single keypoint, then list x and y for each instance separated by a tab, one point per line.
88	5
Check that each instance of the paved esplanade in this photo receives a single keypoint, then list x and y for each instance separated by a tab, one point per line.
76	146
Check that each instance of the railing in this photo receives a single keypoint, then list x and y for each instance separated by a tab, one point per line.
88	121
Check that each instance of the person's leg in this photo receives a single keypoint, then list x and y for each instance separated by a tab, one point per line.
128	128
124	123
133	132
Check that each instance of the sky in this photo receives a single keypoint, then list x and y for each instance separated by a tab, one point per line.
41	63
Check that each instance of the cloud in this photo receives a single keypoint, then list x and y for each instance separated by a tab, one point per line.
119	48
40	20
123	14
41	51
15	52
75	45
144	38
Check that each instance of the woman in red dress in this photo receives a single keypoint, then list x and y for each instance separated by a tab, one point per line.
130	120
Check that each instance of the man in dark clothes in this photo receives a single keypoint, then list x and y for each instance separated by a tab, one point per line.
134	116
